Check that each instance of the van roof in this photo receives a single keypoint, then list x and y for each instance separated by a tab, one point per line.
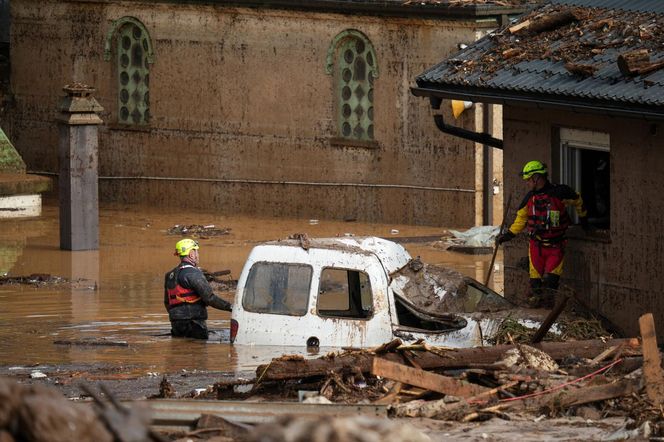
392	255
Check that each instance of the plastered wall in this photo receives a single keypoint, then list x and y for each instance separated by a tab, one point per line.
241	103
619	276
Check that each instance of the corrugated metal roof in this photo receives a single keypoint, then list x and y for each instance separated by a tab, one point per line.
595	40
656	6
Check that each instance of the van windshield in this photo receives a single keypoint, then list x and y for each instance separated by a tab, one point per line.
277	288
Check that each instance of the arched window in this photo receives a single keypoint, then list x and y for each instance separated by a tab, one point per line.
352	60
129	41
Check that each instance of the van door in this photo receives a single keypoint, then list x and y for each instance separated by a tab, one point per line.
351	302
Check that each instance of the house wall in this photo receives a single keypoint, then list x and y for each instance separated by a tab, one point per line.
241	103
619	277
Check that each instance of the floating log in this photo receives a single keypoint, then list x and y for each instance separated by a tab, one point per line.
443	358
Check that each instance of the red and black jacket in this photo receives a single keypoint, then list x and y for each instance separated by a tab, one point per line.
176	293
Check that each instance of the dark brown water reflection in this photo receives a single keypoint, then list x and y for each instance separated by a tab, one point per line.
118	290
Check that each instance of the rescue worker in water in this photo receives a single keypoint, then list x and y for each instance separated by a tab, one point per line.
543	212
187	293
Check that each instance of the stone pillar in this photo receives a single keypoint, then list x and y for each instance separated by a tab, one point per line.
79	199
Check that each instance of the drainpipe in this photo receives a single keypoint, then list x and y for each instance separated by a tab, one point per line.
487	141
483	138
487	161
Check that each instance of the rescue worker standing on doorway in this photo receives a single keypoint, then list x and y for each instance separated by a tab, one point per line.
187	293
543	212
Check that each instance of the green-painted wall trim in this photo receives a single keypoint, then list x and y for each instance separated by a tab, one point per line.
349	33
117	24
10	160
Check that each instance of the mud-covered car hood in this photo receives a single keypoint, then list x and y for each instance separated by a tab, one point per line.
443	292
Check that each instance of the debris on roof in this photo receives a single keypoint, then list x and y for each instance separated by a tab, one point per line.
473	2
567	48
571	34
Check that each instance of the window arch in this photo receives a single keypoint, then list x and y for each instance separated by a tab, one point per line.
130	40
352	60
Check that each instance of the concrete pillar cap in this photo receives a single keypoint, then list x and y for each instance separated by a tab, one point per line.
79	107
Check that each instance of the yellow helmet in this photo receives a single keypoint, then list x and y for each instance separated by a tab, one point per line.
533	167
184	246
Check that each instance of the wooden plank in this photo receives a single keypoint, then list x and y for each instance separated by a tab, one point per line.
446	359
545	22
598	393
550	319
603	355
519	26
573	397
391	396
425	379
652	363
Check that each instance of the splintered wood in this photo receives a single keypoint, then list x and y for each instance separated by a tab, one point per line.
459	358
425	379
652	363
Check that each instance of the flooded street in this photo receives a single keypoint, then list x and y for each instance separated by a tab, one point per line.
112	313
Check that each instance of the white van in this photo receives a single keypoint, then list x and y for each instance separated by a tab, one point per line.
353	292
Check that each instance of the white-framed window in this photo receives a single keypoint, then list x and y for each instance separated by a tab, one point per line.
344	294
585	165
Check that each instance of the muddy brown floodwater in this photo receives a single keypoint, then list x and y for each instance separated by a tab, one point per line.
116	294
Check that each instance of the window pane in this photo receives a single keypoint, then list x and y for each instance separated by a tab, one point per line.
587	170
278	289
133	73
595	187
344	294
355	89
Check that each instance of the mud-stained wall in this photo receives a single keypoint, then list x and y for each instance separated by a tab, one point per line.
621	276
239	100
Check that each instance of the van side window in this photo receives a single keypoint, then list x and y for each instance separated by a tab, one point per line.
278	289
344	294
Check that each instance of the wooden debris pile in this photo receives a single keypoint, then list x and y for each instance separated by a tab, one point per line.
614	377
471	2
569	329
40	413
574	36
198	231
35	279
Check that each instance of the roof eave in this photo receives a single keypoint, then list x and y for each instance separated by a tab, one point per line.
548	101
389	8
